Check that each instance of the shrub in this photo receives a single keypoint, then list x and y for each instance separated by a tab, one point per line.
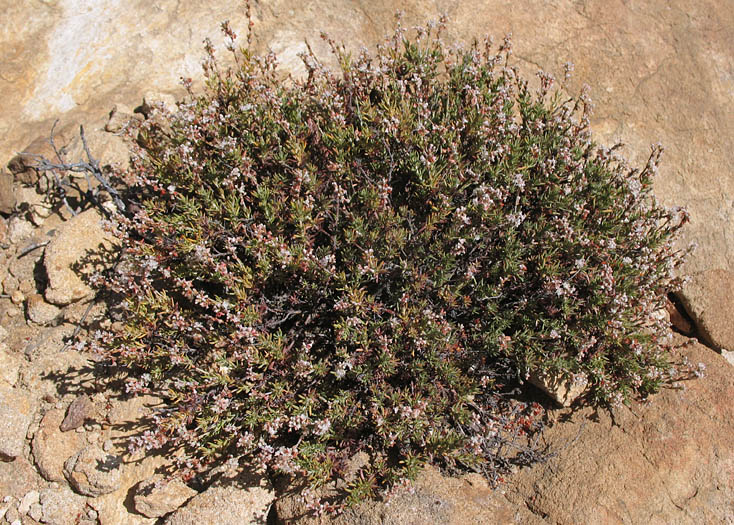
369	259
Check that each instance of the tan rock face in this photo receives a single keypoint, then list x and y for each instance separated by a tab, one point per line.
60	506
16	413
7	193
669	461
17	478
9	365
563	390
79	249
93	472
432	499
39	311
709	300
155	498
242	501
3	232
52	447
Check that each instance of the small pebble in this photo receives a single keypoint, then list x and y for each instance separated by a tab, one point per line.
17	297
29	499
36	511
11	515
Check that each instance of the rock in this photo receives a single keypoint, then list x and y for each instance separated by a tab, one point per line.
19	229
10	284
121	116
18	477
75	313
709	300
60	506
36	511
16	413
79	410
155	498
117	507
51	447
17	297
23	165
39	311
678	320
563	390
29	499
7	193
39	206
93	472
431	499
241	501
80	248
12	516
3	231
47	342
649	463
729	356
9	365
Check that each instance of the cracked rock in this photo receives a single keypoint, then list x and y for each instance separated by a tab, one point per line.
93	472
245	501
155	497
51	447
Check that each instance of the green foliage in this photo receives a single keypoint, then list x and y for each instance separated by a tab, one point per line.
368	259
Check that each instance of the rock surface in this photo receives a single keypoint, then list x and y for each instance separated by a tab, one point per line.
52	447
16	412
709	300
60	506
77	250
563	390
7	193
77	413
432	499
647	464
39	311
93	472
241	501
18	477
9	365
155	498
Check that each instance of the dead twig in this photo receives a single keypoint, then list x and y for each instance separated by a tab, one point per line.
90	167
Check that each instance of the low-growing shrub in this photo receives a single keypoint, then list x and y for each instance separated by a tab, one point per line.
369	259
